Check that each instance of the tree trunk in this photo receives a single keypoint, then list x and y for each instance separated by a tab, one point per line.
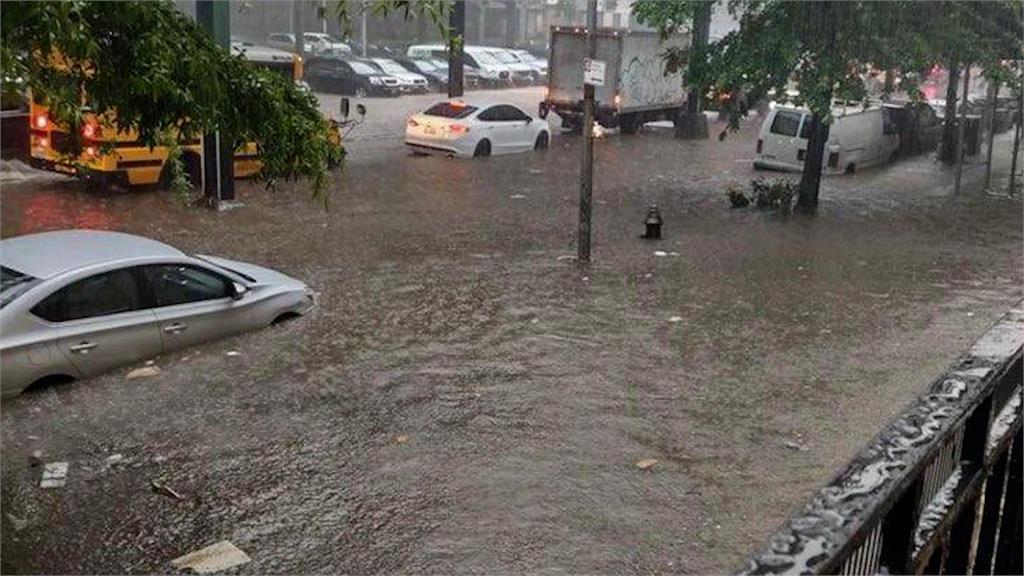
948	150
701	31
810	181
889	85
824	18
960	127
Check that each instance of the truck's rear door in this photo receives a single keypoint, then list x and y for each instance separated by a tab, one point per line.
565	65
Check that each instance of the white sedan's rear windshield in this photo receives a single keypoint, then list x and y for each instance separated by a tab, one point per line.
449	110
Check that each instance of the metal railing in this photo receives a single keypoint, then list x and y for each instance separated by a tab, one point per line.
938	491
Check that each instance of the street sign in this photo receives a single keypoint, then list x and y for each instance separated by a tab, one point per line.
593	72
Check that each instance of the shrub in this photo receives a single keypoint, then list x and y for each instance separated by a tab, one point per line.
736	196
773	195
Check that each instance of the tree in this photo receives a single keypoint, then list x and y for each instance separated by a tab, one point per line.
166	78
818	46
825	49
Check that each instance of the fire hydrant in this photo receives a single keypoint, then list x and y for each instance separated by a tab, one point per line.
652	224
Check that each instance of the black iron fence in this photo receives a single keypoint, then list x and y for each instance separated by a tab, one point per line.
938	491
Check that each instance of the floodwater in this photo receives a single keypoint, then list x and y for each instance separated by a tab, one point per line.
466	398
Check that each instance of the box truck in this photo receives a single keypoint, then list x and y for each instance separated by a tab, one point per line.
636	88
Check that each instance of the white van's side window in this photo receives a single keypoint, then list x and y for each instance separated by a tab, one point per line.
805	128
785	123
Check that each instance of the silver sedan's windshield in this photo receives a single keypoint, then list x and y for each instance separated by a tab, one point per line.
13	284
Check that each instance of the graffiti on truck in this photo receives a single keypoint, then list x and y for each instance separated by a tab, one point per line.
645	81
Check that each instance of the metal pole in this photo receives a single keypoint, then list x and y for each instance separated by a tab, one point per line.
587	170
214	16
993	89
1016	142
323	16
362	28
297	30
960	131
457	25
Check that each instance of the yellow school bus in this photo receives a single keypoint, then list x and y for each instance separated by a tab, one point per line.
112	158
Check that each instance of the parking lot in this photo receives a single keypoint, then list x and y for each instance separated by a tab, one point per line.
465	398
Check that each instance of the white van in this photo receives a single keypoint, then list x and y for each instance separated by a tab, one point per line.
859	137
491	71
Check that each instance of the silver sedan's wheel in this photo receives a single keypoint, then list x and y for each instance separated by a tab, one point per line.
483	149
542	141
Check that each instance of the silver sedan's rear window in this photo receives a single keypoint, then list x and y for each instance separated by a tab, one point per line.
13	284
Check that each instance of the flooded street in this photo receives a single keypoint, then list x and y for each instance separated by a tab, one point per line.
466	398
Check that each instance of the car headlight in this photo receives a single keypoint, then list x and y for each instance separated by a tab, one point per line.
376	81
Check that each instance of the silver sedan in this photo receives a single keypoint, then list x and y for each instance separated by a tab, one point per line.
76	303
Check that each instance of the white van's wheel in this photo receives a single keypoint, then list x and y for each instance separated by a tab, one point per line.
850	169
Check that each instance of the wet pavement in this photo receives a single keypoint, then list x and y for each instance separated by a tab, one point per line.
465	398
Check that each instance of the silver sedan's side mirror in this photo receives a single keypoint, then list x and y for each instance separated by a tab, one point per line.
238	290
343	107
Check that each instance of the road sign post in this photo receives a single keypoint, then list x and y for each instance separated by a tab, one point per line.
587	169
214	16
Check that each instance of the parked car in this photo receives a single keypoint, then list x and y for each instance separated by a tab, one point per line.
350	76
76	303
436	77
326	44
409	82
540	66
492	73
286	41
522	73
859	137
464	129
470	75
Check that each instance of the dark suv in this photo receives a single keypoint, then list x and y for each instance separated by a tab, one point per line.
353	77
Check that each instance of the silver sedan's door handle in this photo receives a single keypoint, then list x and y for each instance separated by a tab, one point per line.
175	328
83	347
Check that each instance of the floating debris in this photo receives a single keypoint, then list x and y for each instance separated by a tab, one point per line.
213	558
401	439
18	524
55	475
646	463
660	253
165	490
144	372
675	319
232	353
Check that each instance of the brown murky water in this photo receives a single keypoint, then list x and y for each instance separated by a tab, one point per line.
525	388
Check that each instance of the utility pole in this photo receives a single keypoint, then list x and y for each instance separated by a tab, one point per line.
960	131
990	123
297	28
457	29
587	170
218	171
362	28
323	16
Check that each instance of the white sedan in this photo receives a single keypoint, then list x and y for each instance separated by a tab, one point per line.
457	128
